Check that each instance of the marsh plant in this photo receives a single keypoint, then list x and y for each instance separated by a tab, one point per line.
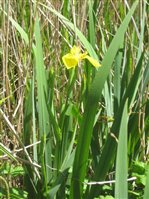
74	99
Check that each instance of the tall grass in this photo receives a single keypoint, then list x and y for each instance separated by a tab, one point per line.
68	133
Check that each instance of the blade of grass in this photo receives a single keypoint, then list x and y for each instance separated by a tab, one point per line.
92	36
43	116
27	137
121	186
35	155
5	150
117	81
19	28
134	83
90	71
141	38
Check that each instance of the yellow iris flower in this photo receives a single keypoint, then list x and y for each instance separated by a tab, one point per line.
72	59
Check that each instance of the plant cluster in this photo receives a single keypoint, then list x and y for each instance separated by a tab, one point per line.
74	99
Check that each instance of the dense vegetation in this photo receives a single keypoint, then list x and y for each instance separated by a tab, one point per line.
74	99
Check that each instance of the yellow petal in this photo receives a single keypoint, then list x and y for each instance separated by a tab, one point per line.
70	60
75	50
93	61
83	55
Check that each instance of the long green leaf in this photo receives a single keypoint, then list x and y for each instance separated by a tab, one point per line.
92	34
117	84
5	150
44	126
121	186
27	137
19	28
